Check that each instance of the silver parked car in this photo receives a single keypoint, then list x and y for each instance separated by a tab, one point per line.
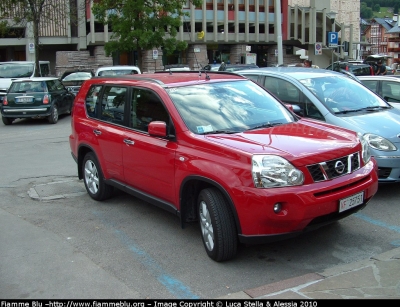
334	98
387	87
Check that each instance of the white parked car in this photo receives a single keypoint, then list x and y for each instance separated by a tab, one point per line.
117	70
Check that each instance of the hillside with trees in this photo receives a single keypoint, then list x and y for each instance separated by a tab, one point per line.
378	8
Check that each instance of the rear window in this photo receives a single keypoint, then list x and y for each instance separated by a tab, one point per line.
29	86
361	70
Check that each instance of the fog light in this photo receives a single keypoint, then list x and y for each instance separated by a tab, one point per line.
277	207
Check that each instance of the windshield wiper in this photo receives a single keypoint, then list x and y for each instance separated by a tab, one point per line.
372	109
220	132
266	125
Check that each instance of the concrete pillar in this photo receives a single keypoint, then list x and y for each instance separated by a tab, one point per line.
149	64
197	56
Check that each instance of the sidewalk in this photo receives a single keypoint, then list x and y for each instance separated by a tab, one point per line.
374	278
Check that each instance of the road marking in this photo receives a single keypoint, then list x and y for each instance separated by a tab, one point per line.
173	285
381	224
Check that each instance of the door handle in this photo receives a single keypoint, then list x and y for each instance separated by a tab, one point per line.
129	142
97	132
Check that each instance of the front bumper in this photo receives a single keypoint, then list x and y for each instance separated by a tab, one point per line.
304	208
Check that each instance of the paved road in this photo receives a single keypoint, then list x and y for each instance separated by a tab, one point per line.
56	242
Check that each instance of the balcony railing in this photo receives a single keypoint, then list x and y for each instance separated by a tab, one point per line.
394	39
231	7
394	49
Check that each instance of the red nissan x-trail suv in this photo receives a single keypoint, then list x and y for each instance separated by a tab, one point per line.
218	149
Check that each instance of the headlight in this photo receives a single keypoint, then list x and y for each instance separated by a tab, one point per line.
274	171
365	152
379	143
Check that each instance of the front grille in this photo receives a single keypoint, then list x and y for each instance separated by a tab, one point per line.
334	168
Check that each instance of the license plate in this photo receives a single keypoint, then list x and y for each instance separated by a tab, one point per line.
351	202
24	99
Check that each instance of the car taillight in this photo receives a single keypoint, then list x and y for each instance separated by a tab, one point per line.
5	102
46	99
347	68
372	71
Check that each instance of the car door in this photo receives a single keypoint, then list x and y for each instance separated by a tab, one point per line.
148	160
105	130
60	95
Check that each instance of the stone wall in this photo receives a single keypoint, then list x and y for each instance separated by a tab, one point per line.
70	60
149	64
197	56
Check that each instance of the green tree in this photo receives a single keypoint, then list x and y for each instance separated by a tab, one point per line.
396	8
18	13
376	8
142	25
365	11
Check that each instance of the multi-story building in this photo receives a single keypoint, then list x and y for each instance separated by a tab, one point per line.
219	30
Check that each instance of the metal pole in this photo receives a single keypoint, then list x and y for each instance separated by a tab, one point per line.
279	30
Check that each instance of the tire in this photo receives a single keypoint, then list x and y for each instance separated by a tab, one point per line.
7	120
93	178
217	225
53	117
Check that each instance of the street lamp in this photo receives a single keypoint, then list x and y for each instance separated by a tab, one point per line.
332	15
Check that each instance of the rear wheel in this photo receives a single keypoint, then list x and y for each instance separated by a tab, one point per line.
93	178
7	120
217	225
53	117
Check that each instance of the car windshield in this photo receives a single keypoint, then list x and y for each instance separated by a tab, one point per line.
116	72
16	70
28	87
228	107
77	76
341	94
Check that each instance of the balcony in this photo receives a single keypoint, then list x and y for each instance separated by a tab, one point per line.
394	49
394	39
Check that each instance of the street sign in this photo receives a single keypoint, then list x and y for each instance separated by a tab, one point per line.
155	54
318	48
333	39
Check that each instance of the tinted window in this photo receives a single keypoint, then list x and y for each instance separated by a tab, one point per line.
371	84
146	107
283	89
91	101
113	102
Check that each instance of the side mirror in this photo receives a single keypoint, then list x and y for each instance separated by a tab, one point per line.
158	128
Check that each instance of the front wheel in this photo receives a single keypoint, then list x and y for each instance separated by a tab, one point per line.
93	178
217	225
53	117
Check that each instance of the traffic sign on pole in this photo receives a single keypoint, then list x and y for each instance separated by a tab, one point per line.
333	39
318	48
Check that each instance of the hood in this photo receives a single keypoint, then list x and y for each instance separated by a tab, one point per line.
384	123
304	141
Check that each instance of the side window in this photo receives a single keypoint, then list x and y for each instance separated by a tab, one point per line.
395	90
51	85
58	85
371	84
113	103
91	101
146	107
284	90
252	77
308	109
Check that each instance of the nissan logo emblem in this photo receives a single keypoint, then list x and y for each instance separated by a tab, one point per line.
339	167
